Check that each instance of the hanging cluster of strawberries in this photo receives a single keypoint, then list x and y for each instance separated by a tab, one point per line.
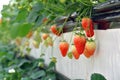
82	41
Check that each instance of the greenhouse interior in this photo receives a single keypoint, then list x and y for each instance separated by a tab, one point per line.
59	39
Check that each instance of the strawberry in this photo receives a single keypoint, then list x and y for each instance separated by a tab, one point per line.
29	35
89	48
75	52
89	32
54	30
35	43
37	37
45	20
48	42
63	46
88	26
18	41
0	20
86	23
45	36
27	43
79	42
70	55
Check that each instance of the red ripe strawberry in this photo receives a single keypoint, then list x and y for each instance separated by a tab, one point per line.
54	30
88	26
86	23
63	46
45	36
75	52
79	42
89	48
89	32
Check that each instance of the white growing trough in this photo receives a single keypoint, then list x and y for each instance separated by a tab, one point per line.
105	61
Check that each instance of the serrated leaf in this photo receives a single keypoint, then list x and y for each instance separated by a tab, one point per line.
39	21
37	7
14	30
25	64
26	78
97	76
33	15
50	76
1	76
22	15
10	55
2	53
24	29
38	74
20	30
51	66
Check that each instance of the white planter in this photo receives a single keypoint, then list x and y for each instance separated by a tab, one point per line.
105	61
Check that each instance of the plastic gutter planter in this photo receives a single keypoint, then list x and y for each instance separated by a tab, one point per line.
103	15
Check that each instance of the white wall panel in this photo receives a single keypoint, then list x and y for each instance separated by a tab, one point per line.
106	59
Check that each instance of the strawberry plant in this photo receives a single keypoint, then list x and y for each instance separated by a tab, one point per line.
16	67
31	21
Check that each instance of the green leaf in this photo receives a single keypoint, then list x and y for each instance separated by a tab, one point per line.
33	15
2	54
38	74
51	66
102	1
1	75
25	64
14	30
20	29
1	68
10	55
24	29
37	7
26	78
37	61
39	21
50	76
97	76
22	15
